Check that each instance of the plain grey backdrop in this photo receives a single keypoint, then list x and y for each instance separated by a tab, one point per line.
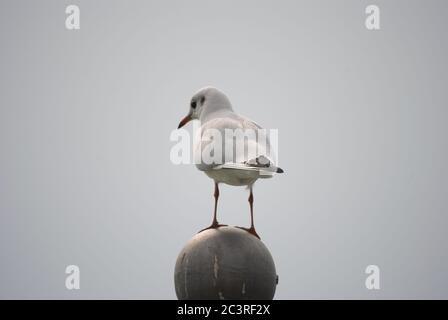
85	120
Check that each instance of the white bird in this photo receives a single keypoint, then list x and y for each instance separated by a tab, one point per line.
230	166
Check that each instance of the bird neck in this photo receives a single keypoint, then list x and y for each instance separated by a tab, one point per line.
216	113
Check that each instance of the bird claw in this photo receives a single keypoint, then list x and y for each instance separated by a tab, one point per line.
213	226
251	231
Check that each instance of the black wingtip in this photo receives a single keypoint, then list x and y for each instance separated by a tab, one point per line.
279	170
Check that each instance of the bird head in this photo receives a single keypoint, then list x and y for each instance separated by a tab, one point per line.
204	102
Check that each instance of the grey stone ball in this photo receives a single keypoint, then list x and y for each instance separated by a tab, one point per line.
225	263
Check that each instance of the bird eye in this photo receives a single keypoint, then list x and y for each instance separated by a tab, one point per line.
202	100
193	104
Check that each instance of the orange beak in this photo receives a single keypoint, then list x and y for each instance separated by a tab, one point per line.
184	121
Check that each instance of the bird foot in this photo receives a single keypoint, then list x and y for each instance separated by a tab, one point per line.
251	230
213	226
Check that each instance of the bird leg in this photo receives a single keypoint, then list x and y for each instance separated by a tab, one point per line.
215	223
251	230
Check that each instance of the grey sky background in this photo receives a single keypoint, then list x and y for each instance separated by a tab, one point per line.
85	120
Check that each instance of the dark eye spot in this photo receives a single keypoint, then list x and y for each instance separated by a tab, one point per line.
202	100
193	104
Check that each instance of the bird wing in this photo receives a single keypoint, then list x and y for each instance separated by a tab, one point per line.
230	157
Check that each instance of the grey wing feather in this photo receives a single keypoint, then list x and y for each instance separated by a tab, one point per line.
260	164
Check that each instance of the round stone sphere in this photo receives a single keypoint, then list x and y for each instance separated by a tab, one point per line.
225	263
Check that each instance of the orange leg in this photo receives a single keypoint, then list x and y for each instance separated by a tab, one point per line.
215	223
251	230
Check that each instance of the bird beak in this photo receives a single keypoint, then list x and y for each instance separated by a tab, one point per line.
184	121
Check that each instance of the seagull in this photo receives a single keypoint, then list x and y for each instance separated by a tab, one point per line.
214	111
